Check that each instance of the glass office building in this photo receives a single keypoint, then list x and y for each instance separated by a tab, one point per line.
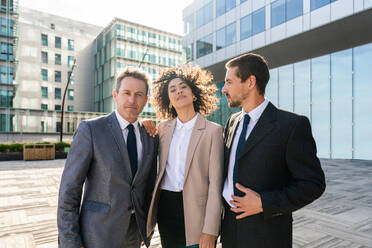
319	54
123	44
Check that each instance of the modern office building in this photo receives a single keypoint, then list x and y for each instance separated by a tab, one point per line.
319	53
47	46
123	43
8	62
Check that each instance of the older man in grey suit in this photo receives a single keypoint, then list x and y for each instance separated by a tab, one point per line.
116	159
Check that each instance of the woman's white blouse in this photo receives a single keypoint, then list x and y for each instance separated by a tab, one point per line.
175	167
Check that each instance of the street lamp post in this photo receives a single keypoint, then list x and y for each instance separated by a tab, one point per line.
63	100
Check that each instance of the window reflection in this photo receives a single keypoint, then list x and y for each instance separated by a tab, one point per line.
320	104
341	114
363	102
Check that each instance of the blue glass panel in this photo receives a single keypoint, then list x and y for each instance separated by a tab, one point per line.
320	104
286	87
341	105
230	4
220	7
271	91
199	18
230	34
294	9
315	4
204	46
258	20
242	1
277	12
302	88
246	27
208	12
220	39
363	102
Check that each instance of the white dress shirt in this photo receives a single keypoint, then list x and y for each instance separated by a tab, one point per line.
175	167
255	114
123	126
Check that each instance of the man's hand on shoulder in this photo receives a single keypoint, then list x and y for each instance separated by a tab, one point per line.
247	205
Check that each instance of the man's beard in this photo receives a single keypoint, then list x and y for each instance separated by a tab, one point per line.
237	102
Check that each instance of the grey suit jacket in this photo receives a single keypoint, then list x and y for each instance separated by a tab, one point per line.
99	158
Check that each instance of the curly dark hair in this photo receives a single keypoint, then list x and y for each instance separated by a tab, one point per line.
201	83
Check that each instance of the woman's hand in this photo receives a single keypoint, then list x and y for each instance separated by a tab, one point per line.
207	241
150	127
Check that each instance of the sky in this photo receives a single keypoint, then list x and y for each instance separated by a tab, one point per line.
161	14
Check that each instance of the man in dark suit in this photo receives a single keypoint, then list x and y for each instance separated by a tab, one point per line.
116	160
271	167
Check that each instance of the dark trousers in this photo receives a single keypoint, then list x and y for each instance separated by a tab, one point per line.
171	223
132	237
255	232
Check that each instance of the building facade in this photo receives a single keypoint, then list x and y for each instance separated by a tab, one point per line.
318	52
8	60
124	43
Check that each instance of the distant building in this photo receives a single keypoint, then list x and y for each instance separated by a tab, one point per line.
44	52
8	62
319	53
124	43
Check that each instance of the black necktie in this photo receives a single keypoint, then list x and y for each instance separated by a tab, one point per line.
241	144
132	149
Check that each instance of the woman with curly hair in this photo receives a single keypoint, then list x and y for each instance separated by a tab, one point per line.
186	202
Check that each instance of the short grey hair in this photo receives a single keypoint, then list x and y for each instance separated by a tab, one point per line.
135	73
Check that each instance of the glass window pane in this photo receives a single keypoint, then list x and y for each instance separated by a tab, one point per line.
363	102
71	45
199	18
230	34
294	9
204	46
44	40
57	59
320	104
220	7
220	39
341	111
230	4
302	88
57	42
315	4
286	87
246	27
258	20
208	12
277	12
271	91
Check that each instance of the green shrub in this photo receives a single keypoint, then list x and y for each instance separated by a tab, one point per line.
16	147
60	146
3	147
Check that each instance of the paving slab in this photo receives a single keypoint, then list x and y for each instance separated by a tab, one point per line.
341	218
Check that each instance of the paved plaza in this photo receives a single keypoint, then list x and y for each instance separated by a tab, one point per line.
342	217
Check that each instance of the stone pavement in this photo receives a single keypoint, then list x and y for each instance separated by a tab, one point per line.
342	217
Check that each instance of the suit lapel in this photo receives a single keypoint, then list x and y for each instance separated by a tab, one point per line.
116	132
264	126
165	143
194	140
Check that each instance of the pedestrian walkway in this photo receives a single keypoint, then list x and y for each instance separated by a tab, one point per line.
342	217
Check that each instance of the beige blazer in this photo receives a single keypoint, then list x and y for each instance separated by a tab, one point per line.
203	178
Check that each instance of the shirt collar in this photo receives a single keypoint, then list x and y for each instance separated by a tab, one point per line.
187	125
123	122
256	113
